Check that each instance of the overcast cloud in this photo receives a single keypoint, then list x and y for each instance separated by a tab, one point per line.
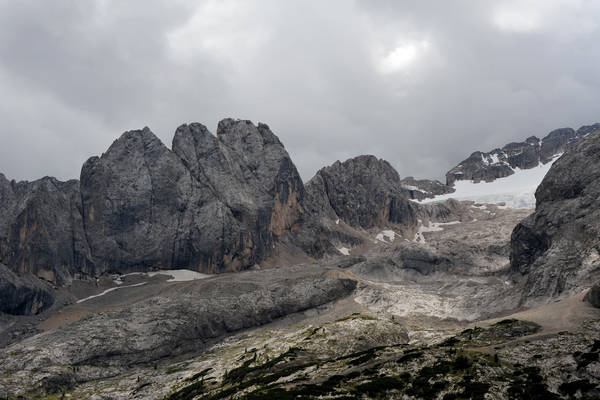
419	83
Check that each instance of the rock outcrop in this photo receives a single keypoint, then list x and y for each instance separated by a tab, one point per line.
555	249
41	229
364	192
419	189
23	295
500	163
181	320
251	175
137	198
212	204
593	295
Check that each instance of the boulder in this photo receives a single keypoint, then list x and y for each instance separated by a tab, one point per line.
593	296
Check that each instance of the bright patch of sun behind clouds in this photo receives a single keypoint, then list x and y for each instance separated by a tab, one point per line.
402	56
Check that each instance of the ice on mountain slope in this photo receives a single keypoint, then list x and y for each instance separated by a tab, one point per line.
386	236
177	275
412	187
516	190
344	250
433	227
180	275
108	291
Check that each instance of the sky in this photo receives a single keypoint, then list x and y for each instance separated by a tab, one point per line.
421	84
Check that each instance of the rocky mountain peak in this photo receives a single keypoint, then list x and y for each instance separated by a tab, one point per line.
586	129
555	249
364	168
502	162
576	174
211	204
191	142
142	141
363	191
243	135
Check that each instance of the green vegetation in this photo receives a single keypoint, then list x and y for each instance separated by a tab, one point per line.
381	385
412	355
188	392
443	371
585	359
357	315
199	375
238	374
529	384
571	388
470	390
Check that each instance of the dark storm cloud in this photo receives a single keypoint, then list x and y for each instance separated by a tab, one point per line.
421	84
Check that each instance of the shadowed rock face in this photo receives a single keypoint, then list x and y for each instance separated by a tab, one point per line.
135	198
500	163
593	296
556	248
364	192
22	295
211	204
420	189
41	230
250	172
214	203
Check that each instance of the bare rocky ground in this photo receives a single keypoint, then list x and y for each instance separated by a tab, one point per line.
423	313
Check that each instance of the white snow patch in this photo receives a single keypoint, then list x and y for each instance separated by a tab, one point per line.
495	159
414	188
337	221
179	275
108	291
433	227
516	190
344	250
132	273
386	236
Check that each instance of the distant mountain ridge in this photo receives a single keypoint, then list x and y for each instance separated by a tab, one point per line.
502	162
216	203
555	249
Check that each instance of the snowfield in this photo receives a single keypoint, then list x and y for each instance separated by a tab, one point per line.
433	227
179	275
344	250
386	236
516	190
108	291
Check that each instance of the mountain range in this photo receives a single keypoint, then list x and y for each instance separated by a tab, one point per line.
352	268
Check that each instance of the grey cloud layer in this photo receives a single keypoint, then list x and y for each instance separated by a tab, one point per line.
421	84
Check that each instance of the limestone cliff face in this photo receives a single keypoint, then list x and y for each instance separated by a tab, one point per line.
212	204
556	249
364	192
41	230
135	198
249	171
23	295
